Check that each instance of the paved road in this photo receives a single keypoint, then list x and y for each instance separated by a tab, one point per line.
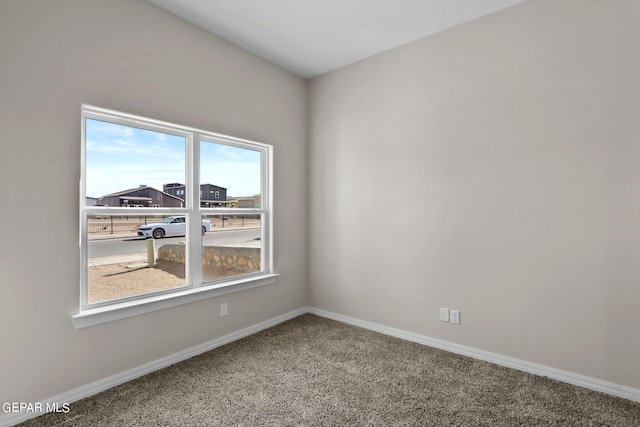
131	245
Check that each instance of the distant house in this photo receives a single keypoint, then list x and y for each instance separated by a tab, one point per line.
245	202
211	196
175	189
143	196
91	201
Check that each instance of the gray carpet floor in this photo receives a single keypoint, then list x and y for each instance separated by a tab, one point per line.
312	371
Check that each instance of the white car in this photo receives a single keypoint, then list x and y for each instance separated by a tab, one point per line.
168	227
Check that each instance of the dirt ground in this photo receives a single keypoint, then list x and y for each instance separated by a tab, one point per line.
106	282
120	280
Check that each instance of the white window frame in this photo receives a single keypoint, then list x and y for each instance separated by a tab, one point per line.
195	289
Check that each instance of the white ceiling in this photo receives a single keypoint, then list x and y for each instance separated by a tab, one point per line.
312	37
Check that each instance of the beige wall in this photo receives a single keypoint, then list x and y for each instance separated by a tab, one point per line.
515	139
130	56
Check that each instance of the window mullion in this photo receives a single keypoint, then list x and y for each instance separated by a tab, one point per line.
194	240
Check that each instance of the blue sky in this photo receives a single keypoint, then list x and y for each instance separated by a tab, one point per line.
122	157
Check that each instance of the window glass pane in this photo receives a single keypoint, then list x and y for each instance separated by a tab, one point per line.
233	247
123	262
230	176
132	167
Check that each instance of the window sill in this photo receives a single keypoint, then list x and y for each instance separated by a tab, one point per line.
96	316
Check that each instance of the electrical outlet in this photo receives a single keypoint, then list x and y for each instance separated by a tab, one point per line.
223	309
444	314
455	317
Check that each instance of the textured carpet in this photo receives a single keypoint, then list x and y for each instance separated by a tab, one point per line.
313	371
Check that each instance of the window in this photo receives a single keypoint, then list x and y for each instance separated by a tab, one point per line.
143	248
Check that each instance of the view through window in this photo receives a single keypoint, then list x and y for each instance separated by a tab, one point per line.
165	207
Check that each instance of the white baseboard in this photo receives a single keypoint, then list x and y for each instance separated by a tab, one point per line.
510	362
131	374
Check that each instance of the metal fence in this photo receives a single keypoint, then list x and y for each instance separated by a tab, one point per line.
128	224
119	224
234	221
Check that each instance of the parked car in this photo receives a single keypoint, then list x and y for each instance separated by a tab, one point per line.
169	227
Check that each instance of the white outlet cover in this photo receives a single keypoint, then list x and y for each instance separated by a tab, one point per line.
444	314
